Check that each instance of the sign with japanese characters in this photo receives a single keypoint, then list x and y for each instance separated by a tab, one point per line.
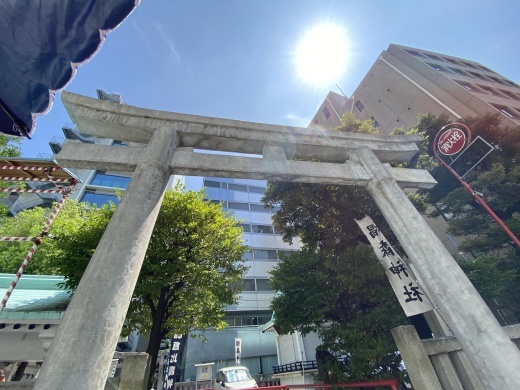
173	360
408	292
451	141
238	351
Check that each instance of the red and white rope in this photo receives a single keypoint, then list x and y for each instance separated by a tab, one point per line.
59	191
18	275
16	239
40	179
29	168
53	215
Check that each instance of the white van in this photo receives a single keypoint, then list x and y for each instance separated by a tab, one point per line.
236	377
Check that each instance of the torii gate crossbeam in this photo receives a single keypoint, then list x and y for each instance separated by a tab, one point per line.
80	355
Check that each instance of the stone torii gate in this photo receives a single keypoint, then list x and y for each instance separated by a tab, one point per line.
80	355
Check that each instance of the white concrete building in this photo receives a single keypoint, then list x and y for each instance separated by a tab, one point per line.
242	198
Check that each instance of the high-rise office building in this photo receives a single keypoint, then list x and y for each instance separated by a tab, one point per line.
258	352
405	82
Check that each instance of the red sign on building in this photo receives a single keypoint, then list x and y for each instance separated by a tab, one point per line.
451	142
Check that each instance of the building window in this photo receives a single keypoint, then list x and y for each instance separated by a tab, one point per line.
246	227
489	90
468	86
102	179
510	94
257	190
509	112
469	64
451	60
238	206
98	199
245	318
210	183
497	80
262	229
258	208
437	67
414	53
434	57
263	285
265	254
376	123
459	71
247	256
234	187
511	83
478	75
248	284
359	105
326	112
484	68
237	187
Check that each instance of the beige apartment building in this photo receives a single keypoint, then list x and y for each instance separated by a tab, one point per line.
405	82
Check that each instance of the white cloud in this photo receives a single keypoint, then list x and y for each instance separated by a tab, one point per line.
167	40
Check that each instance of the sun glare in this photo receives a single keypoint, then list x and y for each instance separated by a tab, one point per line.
322	54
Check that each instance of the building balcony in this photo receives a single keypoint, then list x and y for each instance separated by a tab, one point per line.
296	366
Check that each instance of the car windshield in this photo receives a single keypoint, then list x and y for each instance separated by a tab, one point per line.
237	375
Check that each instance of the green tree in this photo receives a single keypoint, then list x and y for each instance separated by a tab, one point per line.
346	299
335	286
77	228
190	273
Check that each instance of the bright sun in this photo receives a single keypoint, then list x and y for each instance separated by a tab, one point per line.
322	54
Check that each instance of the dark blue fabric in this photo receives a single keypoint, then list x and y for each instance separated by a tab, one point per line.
39	39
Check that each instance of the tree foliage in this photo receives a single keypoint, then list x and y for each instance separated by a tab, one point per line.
335	286
191	270
77	228
346	299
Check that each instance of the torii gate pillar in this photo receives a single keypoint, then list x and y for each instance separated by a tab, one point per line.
468	316
80	354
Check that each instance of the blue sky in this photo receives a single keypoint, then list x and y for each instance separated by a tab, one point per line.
235	58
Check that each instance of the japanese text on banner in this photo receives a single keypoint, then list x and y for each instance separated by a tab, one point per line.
238	351
172	361
408	292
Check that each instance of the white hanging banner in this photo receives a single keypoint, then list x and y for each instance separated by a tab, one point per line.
408	292
238	351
